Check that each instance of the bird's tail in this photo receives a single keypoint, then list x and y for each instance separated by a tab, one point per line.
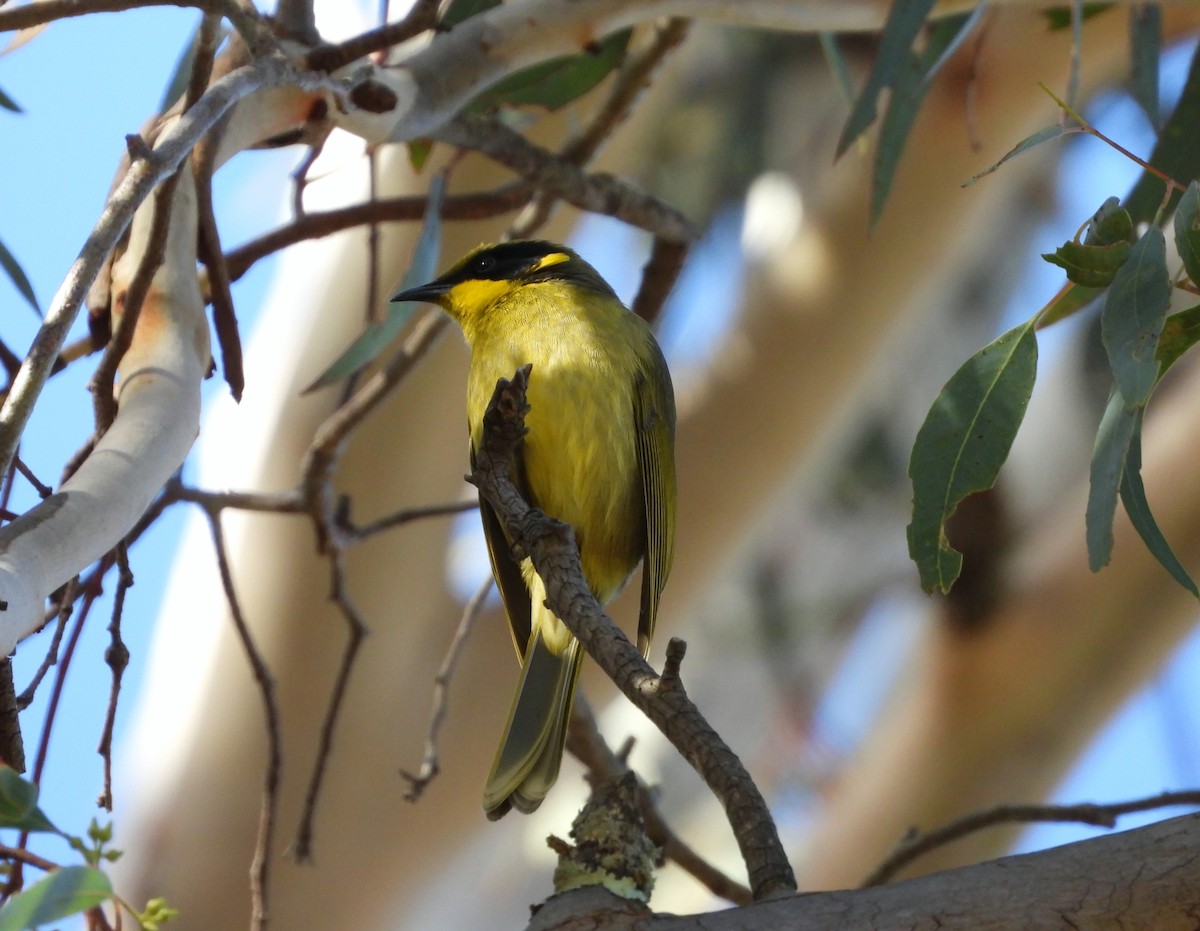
531	749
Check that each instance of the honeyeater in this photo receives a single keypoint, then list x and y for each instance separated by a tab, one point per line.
599	454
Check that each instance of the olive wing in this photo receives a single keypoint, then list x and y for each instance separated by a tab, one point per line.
505	570
654	422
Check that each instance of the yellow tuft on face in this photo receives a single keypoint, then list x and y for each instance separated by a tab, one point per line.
469	298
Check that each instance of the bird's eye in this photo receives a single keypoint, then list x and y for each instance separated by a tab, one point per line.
485	263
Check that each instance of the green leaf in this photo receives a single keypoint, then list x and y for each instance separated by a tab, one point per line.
60	894
9	104
895	45
419	151
377	336
18	803
1187	230
1180	333
1070	300
1135	309
555	83
19	279
1029	142
1176	154
1110	224
1090	266
461	10
963	443
1059	17
1145	47
1133	496
911	86
1109	455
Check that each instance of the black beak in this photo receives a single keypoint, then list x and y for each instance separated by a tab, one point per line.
429	293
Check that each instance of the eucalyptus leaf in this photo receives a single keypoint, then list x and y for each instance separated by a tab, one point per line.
422	268
1029	142
904	22
1176	154
964	441
18	277
1135	309
1180	333
1133	496
1090	266
1109	455
9	104
1059	17
555	83
1187	230
912	84
58	895
461	10
1109	225
18	804
1145	48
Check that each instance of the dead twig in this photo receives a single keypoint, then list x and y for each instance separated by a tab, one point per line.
260	866
117	658
418	782
916	845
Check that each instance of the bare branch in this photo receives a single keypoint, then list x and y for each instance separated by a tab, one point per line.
130	303
598	193
325	223
1104	816
356	632
329	58
260	867
117	658
418	782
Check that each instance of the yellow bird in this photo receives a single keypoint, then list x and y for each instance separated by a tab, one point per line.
599	455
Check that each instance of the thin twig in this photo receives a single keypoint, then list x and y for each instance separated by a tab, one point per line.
315	225
597	193
550	544
116	656
659	275
328	58
208	244
43	490
261	863
63	614
372	308
356	632
287	502
408	515
22	855
101	384
430	766
1105	816
60	676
